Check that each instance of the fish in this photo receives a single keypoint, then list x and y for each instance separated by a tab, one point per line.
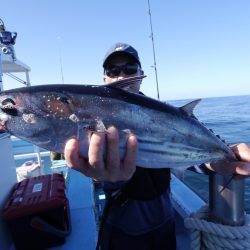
168	136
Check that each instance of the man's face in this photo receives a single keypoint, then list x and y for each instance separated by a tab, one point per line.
121	67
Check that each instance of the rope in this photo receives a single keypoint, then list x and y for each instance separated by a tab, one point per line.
206	235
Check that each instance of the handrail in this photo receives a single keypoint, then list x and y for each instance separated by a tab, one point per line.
30	155
36	153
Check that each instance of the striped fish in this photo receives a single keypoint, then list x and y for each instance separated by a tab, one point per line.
168	136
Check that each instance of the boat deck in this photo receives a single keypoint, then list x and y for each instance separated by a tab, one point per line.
80	195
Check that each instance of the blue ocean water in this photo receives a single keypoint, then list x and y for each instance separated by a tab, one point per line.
229	117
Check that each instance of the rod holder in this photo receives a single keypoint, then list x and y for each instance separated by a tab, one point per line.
226	199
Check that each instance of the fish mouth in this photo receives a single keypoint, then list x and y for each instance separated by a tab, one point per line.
10	111
8	106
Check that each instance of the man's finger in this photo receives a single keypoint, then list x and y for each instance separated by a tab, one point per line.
96	146
242	168
129	162
75	161
113	155
242	152
71	152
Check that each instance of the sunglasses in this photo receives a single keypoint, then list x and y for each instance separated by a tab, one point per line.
127	69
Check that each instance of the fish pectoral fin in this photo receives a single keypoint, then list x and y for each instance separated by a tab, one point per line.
126	82
100	127
93	126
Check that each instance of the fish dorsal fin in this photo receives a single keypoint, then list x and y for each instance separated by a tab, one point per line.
189	107
126	82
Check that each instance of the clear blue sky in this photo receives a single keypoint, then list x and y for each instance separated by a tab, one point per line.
202	46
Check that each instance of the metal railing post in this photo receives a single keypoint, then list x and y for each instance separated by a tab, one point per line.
1	73
226	199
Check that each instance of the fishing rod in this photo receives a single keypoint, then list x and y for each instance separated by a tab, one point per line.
153	46
60	57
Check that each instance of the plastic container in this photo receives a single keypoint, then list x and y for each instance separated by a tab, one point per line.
37	212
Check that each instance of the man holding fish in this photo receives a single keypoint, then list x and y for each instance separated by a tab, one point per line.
138	212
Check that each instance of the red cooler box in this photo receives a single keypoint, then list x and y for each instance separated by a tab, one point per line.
37	212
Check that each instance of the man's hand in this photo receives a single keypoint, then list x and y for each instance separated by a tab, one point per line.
103	168
240	167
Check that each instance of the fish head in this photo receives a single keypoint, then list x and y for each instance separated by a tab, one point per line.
35	116
32	106
17	107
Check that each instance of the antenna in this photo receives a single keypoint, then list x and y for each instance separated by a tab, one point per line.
152	39
60	57
7	41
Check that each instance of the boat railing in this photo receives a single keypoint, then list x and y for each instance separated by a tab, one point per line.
33	152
